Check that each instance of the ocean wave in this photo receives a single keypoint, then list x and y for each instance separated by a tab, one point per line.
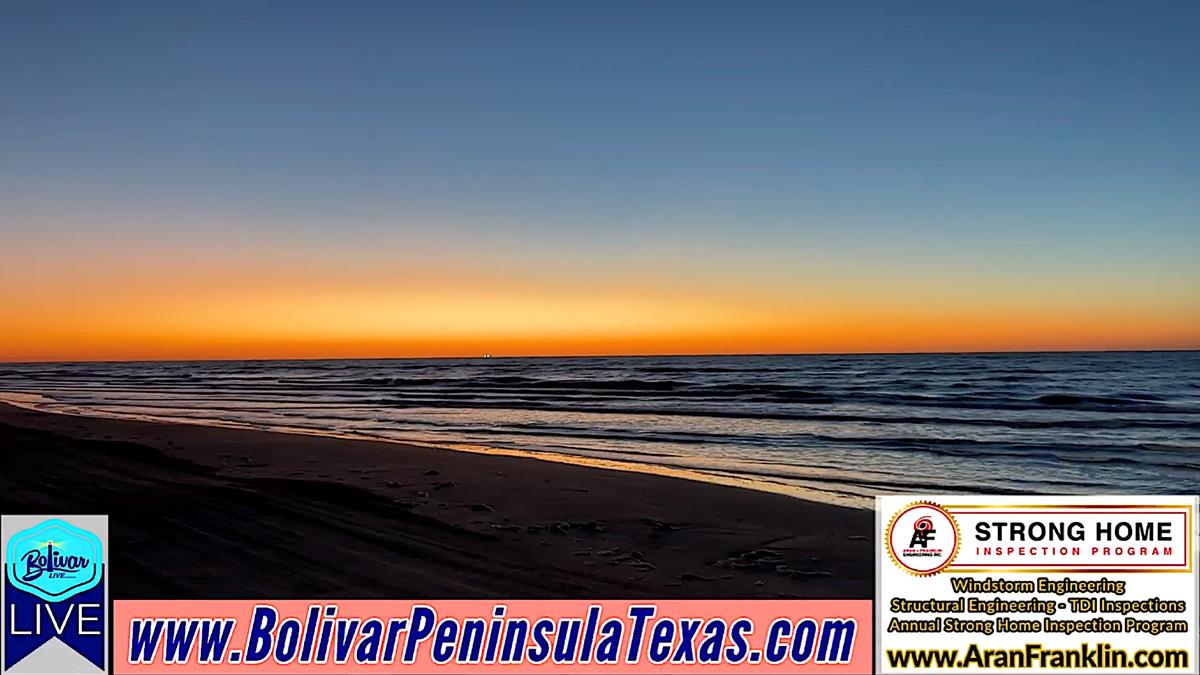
1098	402
1129	421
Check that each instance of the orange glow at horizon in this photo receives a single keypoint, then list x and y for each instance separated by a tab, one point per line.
144	301
512	321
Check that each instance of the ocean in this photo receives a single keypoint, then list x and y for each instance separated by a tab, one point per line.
839	426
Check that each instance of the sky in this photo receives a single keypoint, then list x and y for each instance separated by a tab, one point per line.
356	179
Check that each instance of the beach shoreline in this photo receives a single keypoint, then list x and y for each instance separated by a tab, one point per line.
831	496
208	511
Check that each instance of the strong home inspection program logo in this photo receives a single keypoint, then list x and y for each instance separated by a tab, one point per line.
55	595
922	538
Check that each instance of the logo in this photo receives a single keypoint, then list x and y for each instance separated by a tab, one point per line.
922	532
54	560
55	594
923	538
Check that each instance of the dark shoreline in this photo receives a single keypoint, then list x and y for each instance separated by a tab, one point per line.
207	512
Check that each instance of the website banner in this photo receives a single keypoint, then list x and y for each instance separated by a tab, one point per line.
1036	584
476	636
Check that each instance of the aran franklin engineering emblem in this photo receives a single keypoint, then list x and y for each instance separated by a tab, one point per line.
922	539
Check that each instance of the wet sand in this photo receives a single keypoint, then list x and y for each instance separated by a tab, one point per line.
210	512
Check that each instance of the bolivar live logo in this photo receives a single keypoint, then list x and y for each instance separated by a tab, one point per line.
55	594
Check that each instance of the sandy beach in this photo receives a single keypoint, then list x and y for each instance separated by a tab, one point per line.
209	512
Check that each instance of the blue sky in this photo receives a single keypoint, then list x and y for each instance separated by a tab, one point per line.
975	144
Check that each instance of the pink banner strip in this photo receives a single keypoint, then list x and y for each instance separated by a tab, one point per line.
482	636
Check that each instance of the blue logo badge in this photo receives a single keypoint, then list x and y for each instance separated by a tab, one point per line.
54	560
55	594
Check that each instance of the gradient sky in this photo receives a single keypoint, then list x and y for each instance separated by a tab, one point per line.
295	179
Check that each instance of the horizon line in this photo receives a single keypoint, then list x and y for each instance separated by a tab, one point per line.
482	357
